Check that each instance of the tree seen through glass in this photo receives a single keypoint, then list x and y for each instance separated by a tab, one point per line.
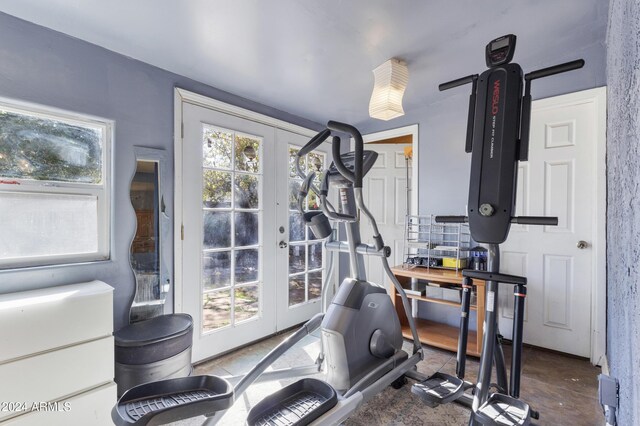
231	190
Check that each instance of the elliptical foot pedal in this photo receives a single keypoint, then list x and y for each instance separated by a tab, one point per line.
300	403
503	410
172	400
439	389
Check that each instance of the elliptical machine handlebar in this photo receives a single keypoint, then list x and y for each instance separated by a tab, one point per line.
315	142
354	176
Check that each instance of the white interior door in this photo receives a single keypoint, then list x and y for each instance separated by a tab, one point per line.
302	258
558	180
385	193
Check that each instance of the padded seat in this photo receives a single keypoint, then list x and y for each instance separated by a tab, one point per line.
154	349
154	339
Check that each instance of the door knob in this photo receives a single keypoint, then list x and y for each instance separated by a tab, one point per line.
282	244
582	244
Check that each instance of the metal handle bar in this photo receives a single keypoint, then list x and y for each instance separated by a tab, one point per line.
452	219
494	276
556	69
458	82
315	142
521	220
356	175
535	220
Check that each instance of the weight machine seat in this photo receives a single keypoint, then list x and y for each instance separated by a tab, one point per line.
439	389
503	410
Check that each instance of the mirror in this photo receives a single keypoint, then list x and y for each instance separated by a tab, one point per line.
152	226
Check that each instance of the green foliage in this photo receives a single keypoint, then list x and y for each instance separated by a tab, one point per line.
44	149
219	147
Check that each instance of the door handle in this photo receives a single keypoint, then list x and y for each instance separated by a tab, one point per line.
582	244
282	244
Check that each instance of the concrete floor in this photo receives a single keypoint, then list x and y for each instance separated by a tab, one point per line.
562	388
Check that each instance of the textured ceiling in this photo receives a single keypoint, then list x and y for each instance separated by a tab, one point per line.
315	58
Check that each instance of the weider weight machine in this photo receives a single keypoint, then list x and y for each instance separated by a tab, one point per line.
497	138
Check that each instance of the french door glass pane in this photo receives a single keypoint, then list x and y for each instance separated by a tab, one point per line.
246	191
216	148
296	227
231	192
216	189
246	229
216	310
247	153
216	229
315	284
294	187
246	266
246	302
215	269
297	255
315	256
296	289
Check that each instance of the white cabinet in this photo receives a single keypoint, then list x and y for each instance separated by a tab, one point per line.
56	355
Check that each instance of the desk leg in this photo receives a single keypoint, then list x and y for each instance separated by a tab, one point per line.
480	301
414	302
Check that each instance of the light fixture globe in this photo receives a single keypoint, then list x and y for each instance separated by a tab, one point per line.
391	80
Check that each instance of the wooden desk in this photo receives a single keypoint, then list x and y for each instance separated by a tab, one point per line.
430	332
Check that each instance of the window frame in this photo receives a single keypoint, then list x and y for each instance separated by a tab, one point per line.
102	191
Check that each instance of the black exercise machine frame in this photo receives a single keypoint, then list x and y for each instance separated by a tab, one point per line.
497	136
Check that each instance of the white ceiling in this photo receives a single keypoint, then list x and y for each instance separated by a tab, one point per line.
314	58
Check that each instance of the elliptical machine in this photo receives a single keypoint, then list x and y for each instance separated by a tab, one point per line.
361	337
497	138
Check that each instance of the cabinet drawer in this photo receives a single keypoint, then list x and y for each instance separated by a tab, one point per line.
54	375
89	408
50	318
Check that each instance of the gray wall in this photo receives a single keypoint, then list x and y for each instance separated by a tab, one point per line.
623	211
46	67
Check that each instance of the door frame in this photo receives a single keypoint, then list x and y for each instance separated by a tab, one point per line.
182	96
395	133
597	97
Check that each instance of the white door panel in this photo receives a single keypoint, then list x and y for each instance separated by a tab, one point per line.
385	189
558	180
302	261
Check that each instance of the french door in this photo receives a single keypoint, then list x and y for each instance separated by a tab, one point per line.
303	261
249	267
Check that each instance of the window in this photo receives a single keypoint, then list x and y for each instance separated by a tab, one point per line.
54	186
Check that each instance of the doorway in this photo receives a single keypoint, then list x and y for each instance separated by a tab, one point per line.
247	265
564	264
391	190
